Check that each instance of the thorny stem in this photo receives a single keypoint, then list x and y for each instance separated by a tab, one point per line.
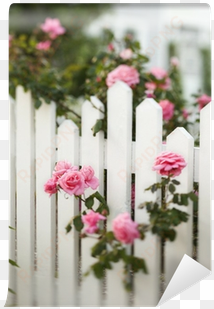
68	110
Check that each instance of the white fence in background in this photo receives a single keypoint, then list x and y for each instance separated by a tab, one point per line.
48	258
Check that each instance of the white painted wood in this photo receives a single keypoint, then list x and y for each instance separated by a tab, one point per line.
92	154
119	99
148	145
45	205
11	298
181	142
204	214
68	244
25	196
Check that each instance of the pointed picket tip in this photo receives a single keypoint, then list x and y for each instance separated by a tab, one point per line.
94	104
68	123
205	110
119	86
149	103
179	132
97	103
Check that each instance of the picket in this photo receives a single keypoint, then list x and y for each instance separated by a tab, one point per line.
68	245
181	142
119	99
45	205
147	147
92	154
34	151
25	196
11	298
204	212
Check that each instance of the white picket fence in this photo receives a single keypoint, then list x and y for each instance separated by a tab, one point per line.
40	229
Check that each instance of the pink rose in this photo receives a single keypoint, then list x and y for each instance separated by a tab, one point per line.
174	62
90	180
150	85
50	186
125	73
166	85
53	27
168	109
126	53
72	182
169	163
43	45
124	229
203	100
185	113
91	220
110	47
62	167
159	73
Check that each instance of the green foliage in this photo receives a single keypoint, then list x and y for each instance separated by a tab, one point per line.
11	291
77	221
13	263
68	228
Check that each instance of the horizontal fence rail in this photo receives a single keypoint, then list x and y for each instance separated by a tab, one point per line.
51	261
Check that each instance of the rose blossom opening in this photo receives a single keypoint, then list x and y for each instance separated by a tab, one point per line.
203	100
43	45
90	180
62	167
159	73
169	164
53	27
126	53
72	182
168	109
125	73
124	229
50	186
91	220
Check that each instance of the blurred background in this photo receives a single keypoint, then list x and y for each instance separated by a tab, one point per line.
164	31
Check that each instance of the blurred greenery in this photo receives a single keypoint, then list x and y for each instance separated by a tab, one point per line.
76	49
206	69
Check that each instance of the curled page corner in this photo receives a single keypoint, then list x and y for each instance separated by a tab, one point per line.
188	273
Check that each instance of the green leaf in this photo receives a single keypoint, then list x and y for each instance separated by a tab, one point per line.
110	236
11	291
171	234
78	223
12	228
37	103
98	270
176	198
193	196
13	263
68	228
184	199
89	202
98	248
171	188
176	182
97	127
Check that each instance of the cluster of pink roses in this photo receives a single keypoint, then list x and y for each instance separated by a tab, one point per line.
160	79
125	73
124	228
70	179
168	109
54	28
